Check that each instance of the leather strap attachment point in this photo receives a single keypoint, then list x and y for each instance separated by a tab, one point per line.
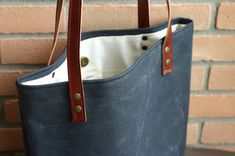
167	49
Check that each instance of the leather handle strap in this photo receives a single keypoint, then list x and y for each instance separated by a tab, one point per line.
143	13
167	49
76	92
59	8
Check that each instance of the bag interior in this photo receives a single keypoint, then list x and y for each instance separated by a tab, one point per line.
108	56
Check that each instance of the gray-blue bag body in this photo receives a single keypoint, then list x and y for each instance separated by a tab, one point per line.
132	107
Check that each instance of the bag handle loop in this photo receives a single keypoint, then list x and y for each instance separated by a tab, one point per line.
76	91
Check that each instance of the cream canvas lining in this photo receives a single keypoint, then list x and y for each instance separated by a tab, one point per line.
108	56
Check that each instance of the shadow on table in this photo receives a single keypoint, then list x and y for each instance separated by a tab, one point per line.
205	152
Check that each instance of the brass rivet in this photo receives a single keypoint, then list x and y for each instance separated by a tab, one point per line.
168	62
77	109
77	96
84	61
167	49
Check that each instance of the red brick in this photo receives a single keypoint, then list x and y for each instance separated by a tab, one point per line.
115	16
197	78
218	133
112	15
222	78
11	139
7	82
212	106
28	19
36	51
192	133
12	112
226	16
214	47
188	10
228	148
28	50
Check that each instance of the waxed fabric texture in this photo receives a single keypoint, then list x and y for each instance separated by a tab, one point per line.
137	113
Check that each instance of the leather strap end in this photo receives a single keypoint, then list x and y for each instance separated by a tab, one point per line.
78	106
167	50
167	58
79	117
167	54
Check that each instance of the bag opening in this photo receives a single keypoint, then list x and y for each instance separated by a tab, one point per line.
106	56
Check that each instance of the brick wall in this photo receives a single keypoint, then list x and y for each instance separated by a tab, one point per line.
25	41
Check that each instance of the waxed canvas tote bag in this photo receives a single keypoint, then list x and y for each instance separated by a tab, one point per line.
112	92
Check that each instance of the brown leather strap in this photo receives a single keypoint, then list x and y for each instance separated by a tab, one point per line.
143	13
167	49
59	8
76	92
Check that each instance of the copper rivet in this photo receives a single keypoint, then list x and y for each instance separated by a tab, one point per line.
168	62
167	49
77	96
77	109
84	61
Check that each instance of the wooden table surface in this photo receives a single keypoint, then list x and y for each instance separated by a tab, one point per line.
204	152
